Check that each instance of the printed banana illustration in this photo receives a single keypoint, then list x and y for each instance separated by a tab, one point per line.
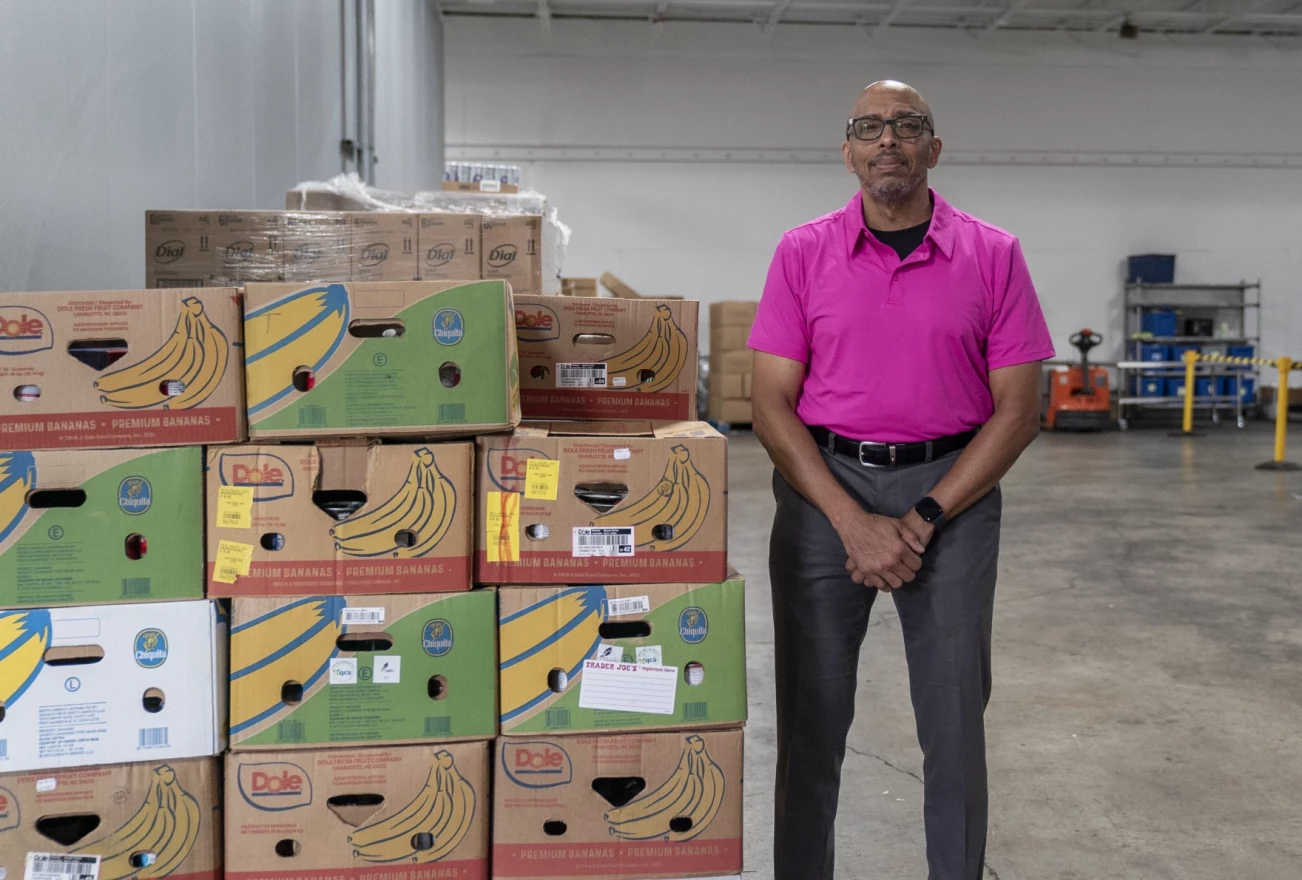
559	632
303	329
694	791
681	499
195	354
423	506
17	479
443	809
655	361
166	825
24	636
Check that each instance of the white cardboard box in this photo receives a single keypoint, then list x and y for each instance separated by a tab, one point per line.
157	691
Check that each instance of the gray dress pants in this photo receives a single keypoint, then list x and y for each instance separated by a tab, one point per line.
820	617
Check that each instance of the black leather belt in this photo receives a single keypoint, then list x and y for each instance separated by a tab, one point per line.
872	454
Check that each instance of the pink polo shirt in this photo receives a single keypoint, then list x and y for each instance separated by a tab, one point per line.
899	351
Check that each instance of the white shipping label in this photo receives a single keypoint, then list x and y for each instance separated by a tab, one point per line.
387	669
628	605
343	670
623	454
618	382
53	866
355	616
609	652
49	783
592	541
650	655
628	687
580	375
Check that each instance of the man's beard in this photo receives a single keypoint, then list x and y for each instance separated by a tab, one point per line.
893	193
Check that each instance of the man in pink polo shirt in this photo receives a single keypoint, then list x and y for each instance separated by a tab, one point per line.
896	379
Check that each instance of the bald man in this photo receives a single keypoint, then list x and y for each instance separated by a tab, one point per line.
896	380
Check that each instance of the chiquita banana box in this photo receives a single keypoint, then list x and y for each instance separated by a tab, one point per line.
110	684
637	806
630	657
593	358
348	518
602	502
114	525
401	813
330	670
370	359
109	368
159	818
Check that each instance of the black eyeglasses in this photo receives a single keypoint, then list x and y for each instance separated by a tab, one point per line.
870	128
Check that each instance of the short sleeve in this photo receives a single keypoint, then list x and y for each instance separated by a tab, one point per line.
1018	332
780	326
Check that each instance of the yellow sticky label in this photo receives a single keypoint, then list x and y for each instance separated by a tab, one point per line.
233	560
541	479
235	507
502	522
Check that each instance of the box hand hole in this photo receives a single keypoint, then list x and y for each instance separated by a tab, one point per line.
618	790
67	829
593	339
539	371
537	532
142	859
339	504
404	538
153	700
304	379
663	532
680	824
136	546
354	809
45	499
364	642
554	828
291	693
287	848
98	354
601	496
624	629
422	841
73	655
694	673
558	681
27	393
374	328
272	541
171	388
449	374
437	687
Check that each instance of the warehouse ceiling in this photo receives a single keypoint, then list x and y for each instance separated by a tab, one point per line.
1135	18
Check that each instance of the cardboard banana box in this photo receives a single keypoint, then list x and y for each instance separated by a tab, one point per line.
391	359
304	520
610	502
636	806
326	670
606	358
109	368
402	813
631	657
109	684
117	525
165	815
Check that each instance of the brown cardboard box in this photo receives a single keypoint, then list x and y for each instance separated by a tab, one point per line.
551	821
383	246
402	813
671	525
724	338
180	381
168	809
733	313
317	246
606	358
512	251
731	411
412	534
247	246
745	385
732	361
727	385
579	287
617	287
449	246
179	248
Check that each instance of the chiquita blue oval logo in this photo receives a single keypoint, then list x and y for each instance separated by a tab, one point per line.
448	327
151	648
135	495
436	639
693	625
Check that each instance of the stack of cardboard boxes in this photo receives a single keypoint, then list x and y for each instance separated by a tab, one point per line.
730	361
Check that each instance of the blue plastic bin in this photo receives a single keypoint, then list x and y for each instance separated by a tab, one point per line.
1205	386
1152	387
1241	351
1177	351
1175	387
1149	351
1151	269
1247	389
1159	322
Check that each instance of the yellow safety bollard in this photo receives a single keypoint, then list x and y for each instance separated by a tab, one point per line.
1186	425
1284	365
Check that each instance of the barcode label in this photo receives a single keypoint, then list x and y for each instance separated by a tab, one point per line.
355	616
52	866
452	413
557	718
289	731
153	738
312	417
696	712
136	587
580	375
438	725
628	605
591	541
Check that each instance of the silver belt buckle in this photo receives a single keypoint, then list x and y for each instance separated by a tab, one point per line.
890	449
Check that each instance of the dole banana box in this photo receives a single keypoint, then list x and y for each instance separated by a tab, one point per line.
631	657
347	518
636	806
113	525
165	814
591	358
111	684
402	813
392	359
112	368
330	670
602	502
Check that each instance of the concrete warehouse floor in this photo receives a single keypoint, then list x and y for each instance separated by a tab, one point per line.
1146	720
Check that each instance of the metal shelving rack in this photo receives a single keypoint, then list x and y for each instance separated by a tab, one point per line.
1240	303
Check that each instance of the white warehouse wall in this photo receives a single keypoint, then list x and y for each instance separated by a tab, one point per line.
764	117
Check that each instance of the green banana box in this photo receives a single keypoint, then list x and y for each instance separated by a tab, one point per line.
413	359
115	525
622	657
330	670
416	812
637	806
169	810
103	369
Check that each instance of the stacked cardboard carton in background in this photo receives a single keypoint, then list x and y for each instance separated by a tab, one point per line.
730	361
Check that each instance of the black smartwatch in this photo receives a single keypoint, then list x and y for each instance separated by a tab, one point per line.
931	512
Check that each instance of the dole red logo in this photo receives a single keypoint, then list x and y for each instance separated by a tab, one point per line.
269	476
535	323
8	810
275	786
537	764
24	330
507	467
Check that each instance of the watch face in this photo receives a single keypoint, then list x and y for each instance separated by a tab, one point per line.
928	509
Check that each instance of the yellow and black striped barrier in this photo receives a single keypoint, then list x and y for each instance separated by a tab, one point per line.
1283	364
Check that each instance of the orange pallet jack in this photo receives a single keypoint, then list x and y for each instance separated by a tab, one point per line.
1079	398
